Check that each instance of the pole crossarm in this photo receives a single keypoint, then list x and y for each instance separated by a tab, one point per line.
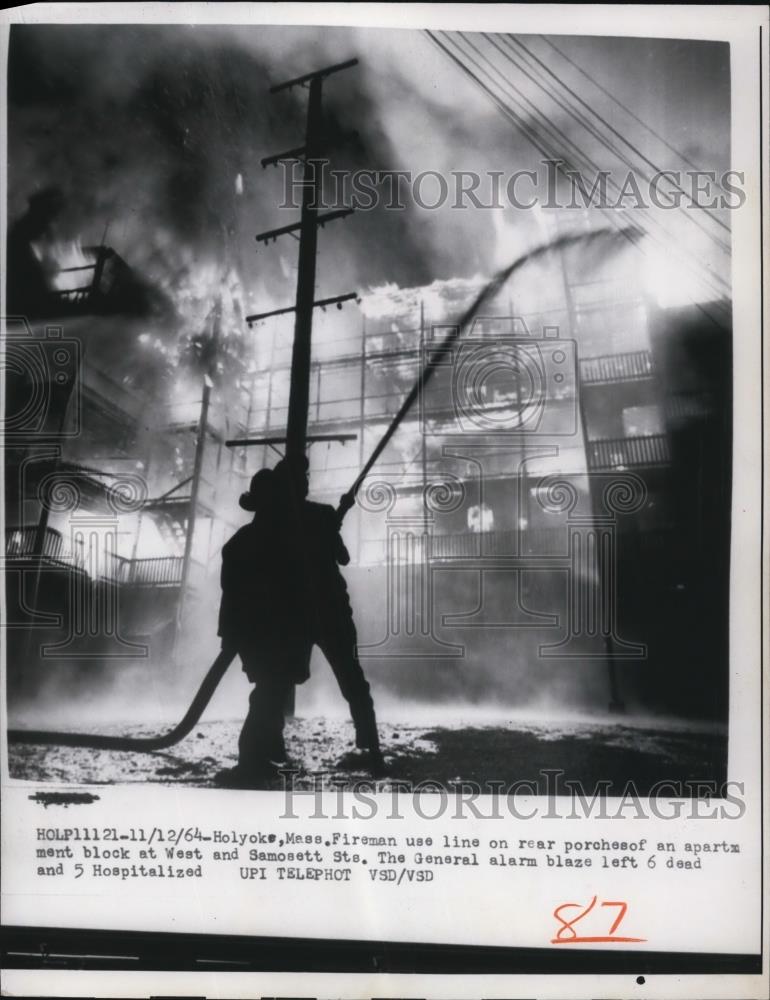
306	231
321	220
300	81
290	154
311	439
320	304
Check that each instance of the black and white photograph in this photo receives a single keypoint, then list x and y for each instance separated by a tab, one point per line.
369	409
239	263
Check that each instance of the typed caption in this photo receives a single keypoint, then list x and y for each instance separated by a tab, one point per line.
140	853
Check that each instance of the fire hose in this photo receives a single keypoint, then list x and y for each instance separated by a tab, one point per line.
219	667
142	743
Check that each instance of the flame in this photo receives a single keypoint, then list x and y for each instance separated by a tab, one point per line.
72	266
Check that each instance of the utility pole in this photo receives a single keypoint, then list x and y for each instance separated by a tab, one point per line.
362	429
310	220
522	501
311	155
296	429
423	437
200	445
616	702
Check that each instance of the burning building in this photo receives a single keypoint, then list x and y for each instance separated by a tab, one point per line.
532	535
114	469
530	524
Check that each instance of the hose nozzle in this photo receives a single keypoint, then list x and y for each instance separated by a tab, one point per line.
346	502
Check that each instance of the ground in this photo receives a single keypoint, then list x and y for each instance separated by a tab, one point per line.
615	749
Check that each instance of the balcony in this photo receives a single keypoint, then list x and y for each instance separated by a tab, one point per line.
613	368
472	545
96	279
20	544
489	544
650	544
162	571
609	454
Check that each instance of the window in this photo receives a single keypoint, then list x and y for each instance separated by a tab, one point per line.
641	421
481	518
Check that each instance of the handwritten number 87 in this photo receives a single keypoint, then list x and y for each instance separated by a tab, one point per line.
567	933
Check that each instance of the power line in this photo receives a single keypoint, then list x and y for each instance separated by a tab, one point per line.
615	132
620	104
534	139
533	136
581	154
506	111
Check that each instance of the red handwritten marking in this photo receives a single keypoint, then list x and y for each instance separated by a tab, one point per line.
589	940
567	934
623	908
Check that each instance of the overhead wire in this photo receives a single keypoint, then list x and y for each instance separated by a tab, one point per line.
581	155
538	140
632	146
608	93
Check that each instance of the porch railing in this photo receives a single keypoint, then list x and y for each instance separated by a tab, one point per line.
161	571
629	452
629	367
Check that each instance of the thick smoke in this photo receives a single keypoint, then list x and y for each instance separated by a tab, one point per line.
155	135
148	130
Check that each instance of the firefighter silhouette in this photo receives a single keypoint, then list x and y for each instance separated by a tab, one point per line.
283	593
260	619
